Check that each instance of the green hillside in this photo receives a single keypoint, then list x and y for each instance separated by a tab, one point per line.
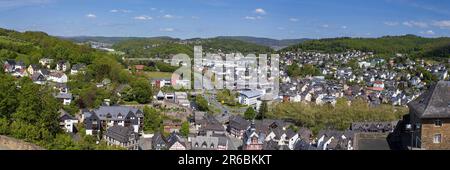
32	46
164	47
409	44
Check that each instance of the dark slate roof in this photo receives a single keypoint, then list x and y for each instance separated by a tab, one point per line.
271	145
213	126
205	143
290	133
158	138
305	134
303	145
253	132
89	119
373	126
199	117
435	103
116	111
78	66
11	62
65	116
175	137
63	96
120	133
45	72
238	122
250	93
38	77
34	66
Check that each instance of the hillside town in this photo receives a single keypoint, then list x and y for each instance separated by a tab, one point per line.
351	75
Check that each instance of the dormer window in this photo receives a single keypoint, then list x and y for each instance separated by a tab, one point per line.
438	123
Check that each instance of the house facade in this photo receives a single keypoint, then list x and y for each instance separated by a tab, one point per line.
249	98
123	137
109	116
430	118
67	122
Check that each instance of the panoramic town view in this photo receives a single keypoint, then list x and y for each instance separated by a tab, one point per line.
224	75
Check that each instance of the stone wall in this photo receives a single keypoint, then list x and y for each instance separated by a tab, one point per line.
429	130
15	144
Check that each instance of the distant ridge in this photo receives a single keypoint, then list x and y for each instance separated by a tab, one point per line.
268	42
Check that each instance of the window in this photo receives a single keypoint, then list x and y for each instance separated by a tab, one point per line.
438	123
437	138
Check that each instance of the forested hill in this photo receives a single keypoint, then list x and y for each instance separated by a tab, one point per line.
412	45
163	48
273	43
29	47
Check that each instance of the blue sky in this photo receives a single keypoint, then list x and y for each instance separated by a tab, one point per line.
280	19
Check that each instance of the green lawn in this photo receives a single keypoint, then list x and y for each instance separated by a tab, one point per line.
158	75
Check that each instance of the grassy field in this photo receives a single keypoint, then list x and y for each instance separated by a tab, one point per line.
157	75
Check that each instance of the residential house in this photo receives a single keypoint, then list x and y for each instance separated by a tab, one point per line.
159	142
67	122
9	66
212	127
33	68
20	72
374	127
38	78
176	142
58	77
108	116
122	136
181	98
65	98
171	126
430	118
253	140
46	62
139	68
160	83
160	96
249	97
237	126
63	66
209	143
92	123
77	68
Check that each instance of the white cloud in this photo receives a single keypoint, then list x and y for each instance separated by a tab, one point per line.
168	16
280	28
325	26
444	24
293	19
389	23
429	32
153	9
167	29
260	11
143	17
91	16
415	24
195	17
252	18
344	27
